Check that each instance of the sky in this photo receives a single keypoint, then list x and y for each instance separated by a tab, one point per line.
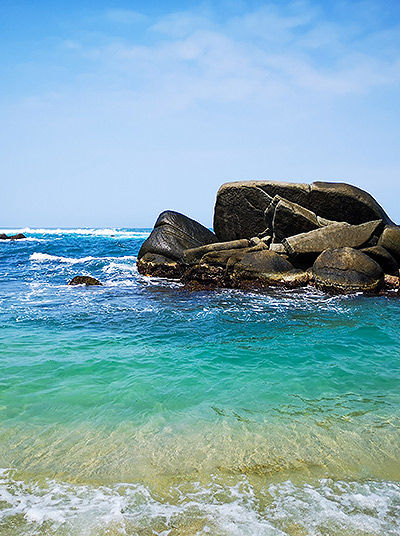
112	111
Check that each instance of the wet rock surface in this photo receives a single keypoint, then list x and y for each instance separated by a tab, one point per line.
347	270
84	280
18	236
239	205
333	236
173	233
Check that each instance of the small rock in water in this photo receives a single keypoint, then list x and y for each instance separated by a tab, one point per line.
84	280
18	236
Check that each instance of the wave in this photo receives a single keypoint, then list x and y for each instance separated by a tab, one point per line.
45	257
328	507
112	233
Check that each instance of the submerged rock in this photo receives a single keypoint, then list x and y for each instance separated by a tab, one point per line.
18	236
173	233
84	280
347	270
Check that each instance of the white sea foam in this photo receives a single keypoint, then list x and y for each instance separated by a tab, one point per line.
334	508
112	233
120	267
45	257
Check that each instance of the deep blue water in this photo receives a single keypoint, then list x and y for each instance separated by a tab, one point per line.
140	408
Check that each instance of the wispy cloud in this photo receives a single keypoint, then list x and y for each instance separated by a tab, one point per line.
156	105
269	51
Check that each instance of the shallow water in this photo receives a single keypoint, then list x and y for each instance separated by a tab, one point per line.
140	408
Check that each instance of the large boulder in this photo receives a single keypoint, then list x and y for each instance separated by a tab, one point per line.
390	240
336	235
240	206
385	260
346	270
151	264
261	268
173	233
286	218
194	254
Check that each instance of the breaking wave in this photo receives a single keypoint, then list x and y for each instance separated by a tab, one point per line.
45	257
112	233
328	507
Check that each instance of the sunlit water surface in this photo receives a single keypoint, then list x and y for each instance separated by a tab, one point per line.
140	408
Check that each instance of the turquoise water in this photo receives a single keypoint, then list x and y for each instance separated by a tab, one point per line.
140	408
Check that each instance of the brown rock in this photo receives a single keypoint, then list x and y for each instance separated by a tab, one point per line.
346	270
336	235
240	205
390	240
385	260
84	280
155	265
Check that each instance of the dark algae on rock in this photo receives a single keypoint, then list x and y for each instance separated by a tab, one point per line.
333	236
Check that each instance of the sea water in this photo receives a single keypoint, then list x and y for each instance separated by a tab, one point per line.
140	408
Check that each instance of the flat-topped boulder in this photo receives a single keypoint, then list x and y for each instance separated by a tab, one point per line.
194	254
336	235
240	206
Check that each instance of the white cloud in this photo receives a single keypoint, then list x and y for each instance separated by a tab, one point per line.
163	110
272	50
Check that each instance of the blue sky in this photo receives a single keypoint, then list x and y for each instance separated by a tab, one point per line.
111	112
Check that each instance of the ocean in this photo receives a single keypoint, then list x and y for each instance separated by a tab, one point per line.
139	408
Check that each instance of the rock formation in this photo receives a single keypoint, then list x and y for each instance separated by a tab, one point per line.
333	236
18	236
162	253
84	280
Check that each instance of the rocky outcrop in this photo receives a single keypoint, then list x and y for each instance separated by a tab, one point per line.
390	240
173	233
262	268
383	258
336	235
194	254
154	265
18	236
251	267
240	205
84	280
347	270
285	219
330	235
